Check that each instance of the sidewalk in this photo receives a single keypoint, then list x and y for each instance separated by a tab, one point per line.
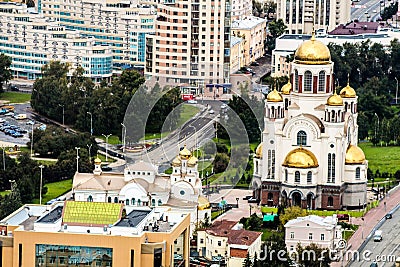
370	220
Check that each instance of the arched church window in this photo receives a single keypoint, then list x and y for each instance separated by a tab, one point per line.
321	81
133	201
286	175
307	81
139	202
301	138
109	199
296	80
159	202
309	177
115	200
331	167
330	202
127	202
297	177
270	196
90	199
153	202
358	176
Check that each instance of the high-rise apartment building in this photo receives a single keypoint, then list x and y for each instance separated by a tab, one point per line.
300	15
191	44
123	25
241	9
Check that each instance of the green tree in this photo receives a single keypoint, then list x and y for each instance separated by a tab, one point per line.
276	28
291	213
247	261
221	162
319	257
10	202
5	71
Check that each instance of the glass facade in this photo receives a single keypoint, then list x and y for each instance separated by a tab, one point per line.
59	255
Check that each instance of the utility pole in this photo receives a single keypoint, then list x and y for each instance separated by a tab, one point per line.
89	148
77	158
41	184
106	136
91	122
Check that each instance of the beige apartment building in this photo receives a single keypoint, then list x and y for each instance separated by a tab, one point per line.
237	59
298	15
191	44
253	31
324	232
241	9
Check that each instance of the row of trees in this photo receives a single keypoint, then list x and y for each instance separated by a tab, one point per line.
82	104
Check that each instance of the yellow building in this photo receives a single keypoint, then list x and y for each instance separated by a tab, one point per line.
74	233
237	59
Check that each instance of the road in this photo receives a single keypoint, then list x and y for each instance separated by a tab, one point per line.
194	133
384	252
364	10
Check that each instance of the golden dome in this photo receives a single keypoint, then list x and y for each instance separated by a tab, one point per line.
300	158
312	52
286	88
185	153
203	203
192	161
259	150
354	155
97	161
334	100
348	92
176	162
274	96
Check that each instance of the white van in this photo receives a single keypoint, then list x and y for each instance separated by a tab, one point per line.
20	117
378	236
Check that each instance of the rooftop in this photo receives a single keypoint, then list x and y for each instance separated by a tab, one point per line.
247	23
53	216
237	237
322	221
356	28
133	218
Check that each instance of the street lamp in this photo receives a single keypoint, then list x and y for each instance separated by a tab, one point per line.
397	87
32	140
77	158
91	122
123	137
106	136
237	202
62	112
89	148
41	182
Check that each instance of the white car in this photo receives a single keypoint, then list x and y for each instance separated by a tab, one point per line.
2	120
224	106
211	111
192	101
9	114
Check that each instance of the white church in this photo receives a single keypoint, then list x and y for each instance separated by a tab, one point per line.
141	186
309	155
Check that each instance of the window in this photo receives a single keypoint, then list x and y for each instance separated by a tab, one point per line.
297	177
331	167
301	138
286	175
322	237
330	201
90	199
219	243
309	177
182	192
307	81
321	81
159	202
296	80
201	240
133	201
153	202
115	200
358	173
309	236
291	235
127	202
270	196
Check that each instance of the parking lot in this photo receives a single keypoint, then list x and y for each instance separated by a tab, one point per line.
10	126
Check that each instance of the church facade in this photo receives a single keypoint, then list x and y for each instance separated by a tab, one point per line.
309	155
141	186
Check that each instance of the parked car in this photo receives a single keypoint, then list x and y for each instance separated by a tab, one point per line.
2	120
211	111
20	116
9	114
388	216
192	101
30	122
106	168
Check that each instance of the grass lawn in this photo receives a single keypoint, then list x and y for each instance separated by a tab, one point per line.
186	112
113	139
348	233
324	213
46	162
386	159
267	233
55	189
15	97
103	159
4	193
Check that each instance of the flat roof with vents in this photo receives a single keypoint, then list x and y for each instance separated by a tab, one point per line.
91	213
